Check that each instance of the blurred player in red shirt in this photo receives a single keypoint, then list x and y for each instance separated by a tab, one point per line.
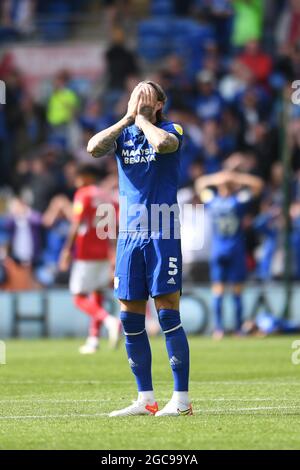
91	269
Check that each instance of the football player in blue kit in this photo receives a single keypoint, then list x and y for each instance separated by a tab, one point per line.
227	196
148	261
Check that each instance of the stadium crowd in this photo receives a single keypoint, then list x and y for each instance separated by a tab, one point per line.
226	67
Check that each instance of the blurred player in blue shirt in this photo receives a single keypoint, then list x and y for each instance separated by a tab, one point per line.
266	324
228	203
148	260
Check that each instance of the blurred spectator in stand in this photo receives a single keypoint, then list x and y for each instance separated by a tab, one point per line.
288	29
295	237
192	143
230	125
268	224
12	116
93	119
252	108
183	8
6	63
266	146
93	116
62	107
248	21
116	12
17	18
293	131
220	13
175	82
80	154
208	102
295	60
24	228
176	100
56	220
4	152
213	60
69	176
121	63
39	185
273	191
257	61
235	82
296	186
32	129
215	147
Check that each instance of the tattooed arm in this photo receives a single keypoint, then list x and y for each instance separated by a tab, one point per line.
103	142
162	141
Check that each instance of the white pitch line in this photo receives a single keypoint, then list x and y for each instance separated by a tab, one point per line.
67	400
257	408
162	398
99	415
65	416
197	382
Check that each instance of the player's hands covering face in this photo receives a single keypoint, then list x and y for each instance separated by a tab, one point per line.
134	101
147	102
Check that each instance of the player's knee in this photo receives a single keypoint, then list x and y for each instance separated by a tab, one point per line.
218	289
237	289
137	306
133	323
169	319
169	301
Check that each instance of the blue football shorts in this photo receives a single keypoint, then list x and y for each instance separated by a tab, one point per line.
229	269
147	265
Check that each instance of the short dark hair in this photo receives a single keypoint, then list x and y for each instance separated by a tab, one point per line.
88	170
161	96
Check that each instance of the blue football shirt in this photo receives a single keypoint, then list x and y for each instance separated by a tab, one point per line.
227	214
147	179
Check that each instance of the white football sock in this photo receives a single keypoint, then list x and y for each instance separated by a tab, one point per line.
93	341
109	320
146	396
182	397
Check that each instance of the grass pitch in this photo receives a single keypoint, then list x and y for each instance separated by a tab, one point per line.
245	394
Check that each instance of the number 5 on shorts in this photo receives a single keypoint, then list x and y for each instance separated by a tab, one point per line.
173	270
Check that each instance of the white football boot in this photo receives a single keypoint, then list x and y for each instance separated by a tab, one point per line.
138	408
175	408
90	347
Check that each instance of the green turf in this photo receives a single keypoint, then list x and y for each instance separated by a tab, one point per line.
245	394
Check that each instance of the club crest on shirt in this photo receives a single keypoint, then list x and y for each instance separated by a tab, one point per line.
178	128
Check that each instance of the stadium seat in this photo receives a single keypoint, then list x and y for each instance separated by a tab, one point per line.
153	40
8	34
162	8
58	14
159	37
